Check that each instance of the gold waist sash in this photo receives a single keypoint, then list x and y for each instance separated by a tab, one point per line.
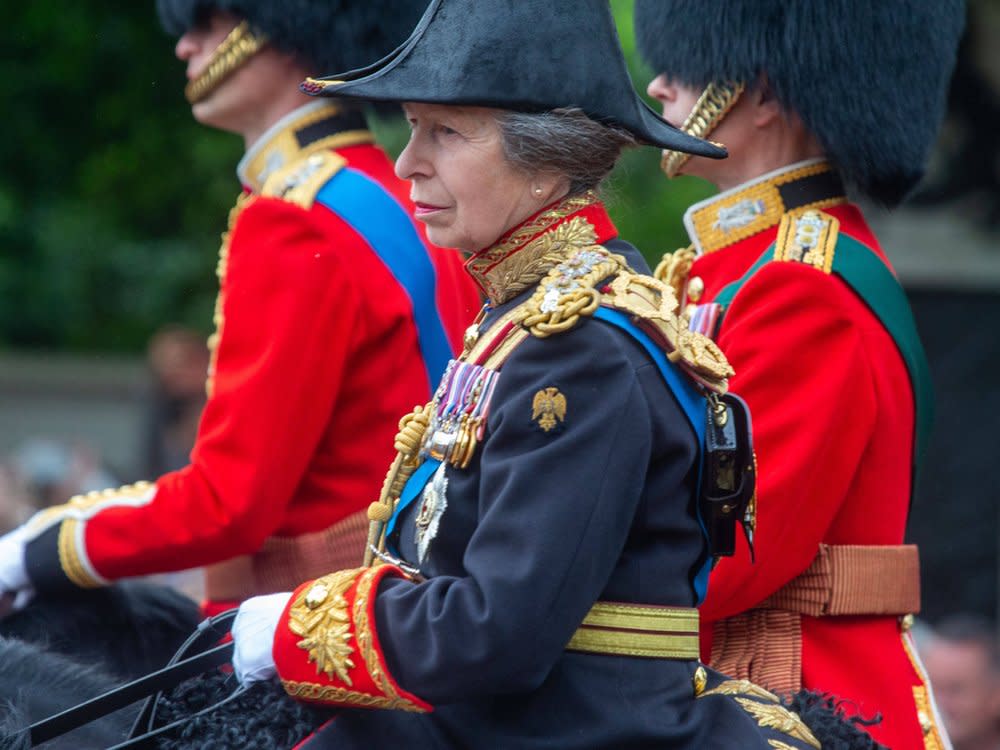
638	630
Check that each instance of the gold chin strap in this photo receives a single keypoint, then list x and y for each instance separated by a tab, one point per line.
713	104
239	46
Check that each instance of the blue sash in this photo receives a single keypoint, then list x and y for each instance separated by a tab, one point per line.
375	215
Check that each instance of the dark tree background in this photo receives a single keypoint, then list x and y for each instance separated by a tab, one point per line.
112	198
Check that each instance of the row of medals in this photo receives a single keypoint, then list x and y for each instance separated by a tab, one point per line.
460	408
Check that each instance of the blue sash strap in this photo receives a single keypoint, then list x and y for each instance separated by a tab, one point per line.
383	223
690	399
411	490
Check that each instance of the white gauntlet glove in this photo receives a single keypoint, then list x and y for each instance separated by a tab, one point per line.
253	636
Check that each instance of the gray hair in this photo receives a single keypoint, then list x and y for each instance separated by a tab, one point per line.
565	142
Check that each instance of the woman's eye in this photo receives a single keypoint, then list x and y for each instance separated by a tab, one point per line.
445	130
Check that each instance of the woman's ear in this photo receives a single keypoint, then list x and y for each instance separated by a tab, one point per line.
548	187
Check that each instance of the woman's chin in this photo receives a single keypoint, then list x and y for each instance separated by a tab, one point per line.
442	237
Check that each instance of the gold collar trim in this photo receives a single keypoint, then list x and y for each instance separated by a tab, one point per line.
744	211
317	126
524	255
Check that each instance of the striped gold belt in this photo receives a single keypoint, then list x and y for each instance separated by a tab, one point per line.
638	630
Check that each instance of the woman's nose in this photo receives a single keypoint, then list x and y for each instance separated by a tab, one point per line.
409	163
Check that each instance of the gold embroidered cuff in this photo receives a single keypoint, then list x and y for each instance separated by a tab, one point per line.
327	647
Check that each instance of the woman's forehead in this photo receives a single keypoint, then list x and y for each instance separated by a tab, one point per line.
449	111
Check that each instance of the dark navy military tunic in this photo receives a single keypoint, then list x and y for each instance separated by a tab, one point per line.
539	527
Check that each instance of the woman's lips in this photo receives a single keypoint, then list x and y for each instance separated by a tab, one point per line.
426	209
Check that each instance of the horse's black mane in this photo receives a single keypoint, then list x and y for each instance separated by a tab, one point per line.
130	629
35	683
264	718
58	653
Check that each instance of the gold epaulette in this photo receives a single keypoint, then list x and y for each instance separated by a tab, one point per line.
808	236
569	291
300	181
673	268
653	307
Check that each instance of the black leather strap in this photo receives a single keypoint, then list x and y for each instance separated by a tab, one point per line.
178	670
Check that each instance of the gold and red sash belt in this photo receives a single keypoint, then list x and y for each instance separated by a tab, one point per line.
283	563
854	579
765	644
638	630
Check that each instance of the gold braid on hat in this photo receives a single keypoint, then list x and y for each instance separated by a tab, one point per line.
713	104
239	46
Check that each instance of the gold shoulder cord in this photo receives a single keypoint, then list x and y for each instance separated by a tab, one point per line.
411	434
568	291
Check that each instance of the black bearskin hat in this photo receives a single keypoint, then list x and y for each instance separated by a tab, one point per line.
323	34
867	77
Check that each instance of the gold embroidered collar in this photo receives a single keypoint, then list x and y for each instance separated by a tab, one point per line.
519	259
742	212
313	127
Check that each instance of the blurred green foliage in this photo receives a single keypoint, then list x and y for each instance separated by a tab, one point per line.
112	198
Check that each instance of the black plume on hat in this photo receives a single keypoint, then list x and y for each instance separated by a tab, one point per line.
323	34
523	55
868	77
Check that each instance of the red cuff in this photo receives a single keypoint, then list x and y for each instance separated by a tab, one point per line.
326	647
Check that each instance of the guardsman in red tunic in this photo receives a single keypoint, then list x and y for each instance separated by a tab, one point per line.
812	100
333	318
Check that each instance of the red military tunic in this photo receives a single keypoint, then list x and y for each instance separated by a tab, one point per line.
320	345
833	424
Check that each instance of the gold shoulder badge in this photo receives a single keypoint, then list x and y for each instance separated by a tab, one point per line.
300	181
548	409
808	237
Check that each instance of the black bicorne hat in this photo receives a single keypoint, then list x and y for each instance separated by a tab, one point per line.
322	34
522	55
868	77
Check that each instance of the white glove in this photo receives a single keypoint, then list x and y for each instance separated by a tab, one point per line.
14	579
253	637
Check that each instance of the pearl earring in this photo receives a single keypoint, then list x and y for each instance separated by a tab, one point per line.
538	191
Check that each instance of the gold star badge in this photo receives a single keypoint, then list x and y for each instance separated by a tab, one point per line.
548	408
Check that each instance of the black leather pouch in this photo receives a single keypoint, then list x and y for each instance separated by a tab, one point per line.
728	477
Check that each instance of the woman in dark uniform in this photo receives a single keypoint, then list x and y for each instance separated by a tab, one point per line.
537	551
